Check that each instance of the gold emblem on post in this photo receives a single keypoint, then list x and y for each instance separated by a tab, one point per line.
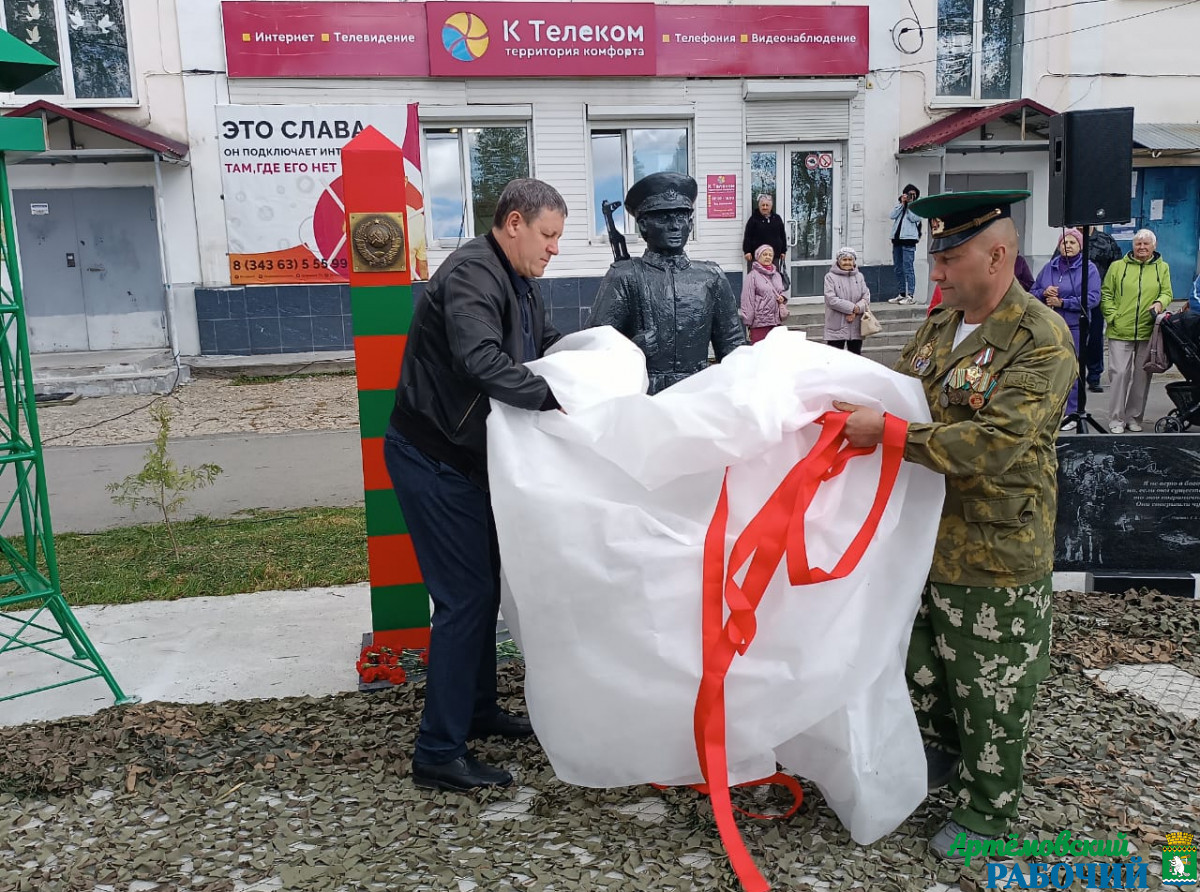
378	243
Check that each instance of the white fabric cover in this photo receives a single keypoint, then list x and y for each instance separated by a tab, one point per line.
602	514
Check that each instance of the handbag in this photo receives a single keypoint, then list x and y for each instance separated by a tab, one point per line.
870	324
1156	355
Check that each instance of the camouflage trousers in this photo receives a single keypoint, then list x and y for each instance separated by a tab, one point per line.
975	659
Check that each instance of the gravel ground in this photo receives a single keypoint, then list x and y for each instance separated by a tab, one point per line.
313	794
205	407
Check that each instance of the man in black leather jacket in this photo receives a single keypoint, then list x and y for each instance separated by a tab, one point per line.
481	319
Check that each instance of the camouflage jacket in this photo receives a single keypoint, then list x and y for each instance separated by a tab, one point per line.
997	403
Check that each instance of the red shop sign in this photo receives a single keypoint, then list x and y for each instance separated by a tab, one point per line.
313	38
722	196
307	39
540	39
766	41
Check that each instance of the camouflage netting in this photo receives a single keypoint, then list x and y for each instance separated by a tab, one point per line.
313	793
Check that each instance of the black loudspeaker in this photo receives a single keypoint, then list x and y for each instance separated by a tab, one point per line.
1091	167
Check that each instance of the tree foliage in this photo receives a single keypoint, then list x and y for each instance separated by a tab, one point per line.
161	484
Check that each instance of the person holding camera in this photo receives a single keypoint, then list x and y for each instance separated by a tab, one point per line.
906	232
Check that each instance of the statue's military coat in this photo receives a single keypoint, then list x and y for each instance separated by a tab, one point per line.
672	307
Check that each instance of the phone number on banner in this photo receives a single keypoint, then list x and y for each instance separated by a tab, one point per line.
249	269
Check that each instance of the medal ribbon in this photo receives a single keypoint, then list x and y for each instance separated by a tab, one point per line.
777	530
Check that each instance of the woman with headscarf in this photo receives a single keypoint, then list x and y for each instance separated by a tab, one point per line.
762	295
1060	286
846	299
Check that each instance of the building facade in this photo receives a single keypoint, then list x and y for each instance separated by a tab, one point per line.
104	218
239	109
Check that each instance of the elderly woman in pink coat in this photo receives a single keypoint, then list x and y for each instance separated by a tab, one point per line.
846	299
764	303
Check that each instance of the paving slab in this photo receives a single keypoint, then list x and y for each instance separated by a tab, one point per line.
1168	687
203	650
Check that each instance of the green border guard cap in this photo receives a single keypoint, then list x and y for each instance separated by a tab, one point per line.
957	217
20	63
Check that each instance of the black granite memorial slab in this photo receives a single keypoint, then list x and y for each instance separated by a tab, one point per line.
1128	503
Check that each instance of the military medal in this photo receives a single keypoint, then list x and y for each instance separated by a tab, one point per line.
974	384
923	359
944	399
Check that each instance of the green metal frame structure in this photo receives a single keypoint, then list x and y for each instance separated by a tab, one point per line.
28	565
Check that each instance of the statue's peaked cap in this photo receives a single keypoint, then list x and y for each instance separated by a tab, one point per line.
661	192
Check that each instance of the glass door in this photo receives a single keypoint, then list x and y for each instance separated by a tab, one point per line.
804	181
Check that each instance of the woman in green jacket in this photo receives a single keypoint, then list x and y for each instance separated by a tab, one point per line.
1136	287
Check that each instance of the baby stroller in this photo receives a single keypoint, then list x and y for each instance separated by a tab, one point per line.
1181	340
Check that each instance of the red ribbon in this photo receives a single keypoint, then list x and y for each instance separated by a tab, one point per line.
776	530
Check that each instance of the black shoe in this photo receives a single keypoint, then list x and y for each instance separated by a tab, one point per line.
940	767
504	724
464	773
1096	388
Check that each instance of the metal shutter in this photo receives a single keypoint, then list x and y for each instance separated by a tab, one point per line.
798	120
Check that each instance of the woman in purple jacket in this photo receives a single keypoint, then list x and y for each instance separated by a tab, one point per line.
1059	286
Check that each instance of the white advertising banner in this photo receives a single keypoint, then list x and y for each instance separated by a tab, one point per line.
281	171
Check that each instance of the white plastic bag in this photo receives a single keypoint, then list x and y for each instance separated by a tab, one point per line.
602	515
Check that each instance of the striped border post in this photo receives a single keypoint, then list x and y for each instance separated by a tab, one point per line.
381	304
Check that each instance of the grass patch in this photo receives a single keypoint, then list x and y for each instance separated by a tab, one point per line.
259	551
243	380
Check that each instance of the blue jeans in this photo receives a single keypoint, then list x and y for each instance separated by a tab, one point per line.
902	264
454	536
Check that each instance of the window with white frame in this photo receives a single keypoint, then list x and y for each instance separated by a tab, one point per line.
622	156
87	38
466	169
979	48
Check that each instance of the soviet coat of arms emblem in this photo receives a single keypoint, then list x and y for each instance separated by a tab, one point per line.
378	243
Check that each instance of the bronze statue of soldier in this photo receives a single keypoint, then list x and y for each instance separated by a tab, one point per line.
671	306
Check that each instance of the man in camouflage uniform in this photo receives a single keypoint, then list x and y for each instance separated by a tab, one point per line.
996	366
